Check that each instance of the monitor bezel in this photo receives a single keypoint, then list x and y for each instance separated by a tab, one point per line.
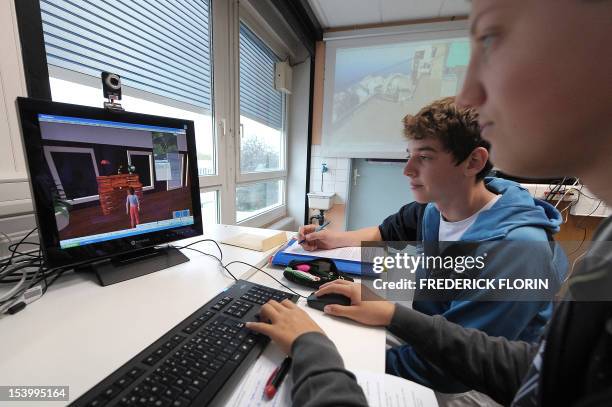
55	256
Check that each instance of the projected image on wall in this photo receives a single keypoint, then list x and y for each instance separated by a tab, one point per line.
376	86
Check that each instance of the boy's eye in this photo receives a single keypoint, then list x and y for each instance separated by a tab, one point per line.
486	41
420	157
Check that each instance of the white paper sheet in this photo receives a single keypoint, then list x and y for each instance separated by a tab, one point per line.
344	253
381	390
384	390
249	391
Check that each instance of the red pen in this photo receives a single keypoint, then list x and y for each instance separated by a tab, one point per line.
276	378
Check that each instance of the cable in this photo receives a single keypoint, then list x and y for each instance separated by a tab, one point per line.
15	289
210	255
567	191
7	237
584	228
554	190
266	273
225	266
205	240
17	245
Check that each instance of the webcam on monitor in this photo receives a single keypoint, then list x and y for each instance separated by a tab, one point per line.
111	88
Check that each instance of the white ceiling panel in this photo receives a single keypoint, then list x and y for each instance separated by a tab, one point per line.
455	8
339	13
349	12
397	10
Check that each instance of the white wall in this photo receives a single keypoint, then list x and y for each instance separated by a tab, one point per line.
14	188
298	142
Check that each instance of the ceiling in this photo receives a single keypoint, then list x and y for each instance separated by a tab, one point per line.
341	13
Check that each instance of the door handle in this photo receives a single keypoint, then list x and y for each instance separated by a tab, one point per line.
355	176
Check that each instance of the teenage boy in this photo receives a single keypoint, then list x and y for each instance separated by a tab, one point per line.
539	76
447	164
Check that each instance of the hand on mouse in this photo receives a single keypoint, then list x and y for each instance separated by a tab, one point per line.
287	323
371	311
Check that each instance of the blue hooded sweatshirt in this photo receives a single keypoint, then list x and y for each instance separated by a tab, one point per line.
516	216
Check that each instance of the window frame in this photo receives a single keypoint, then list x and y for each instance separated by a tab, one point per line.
217	190
48	150
247	18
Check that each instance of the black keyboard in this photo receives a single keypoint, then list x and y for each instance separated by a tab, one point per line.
192	362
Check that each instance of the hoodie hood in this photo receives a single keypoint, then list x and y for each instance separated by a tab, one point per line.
515	209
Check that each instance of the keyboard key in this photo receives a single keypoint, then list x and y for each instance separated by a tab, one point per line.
190	393
172	392
111	392
199	383
177	338
180	402
236	357
151	360
123	382
98	402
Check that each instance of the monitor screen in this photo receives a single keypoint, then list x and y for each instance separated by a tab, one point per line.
109	182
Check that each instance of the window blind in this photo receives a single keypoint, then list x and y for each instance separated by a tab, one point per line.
259	100
158	47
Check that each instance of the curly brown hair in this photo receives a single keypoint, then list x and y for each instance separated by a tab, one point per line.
456	128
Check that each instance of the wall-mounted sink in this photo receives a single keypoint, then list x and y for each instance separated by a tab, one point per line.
321	200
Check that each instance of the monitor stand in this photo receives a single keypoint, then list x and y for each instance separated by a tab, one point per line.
136	264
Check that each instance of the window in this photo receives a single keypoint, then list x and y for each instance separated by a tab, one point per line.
165	72
257	198
209	201
262	174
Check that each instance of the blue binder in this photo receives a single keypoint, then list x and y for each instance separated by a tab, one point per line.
345	266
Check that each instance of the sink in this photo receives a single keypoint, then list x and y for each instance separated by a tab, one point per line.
321	200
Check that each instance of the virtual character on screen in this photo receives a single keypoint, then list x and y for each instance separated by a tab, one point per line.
132	207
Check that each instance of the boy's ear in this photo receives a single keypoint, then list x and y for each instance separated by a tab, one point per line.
476	161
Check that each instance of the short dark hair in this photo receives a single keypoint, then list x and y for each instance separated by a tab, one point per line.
131	190
456	128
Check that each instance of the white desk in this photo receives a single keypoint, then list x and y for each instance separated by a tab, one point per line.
80	332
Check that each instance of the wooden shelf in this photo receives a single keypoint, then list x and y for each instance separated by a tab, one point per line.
112	190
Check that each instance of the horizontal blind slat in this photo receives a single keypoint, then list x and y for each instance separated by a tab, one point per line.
157	47
258	98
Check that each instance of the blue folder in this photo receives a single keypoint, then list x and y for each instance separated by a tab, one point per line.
345	266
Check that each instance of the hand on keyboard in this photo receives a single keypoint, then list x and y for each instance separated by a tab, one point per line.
287	323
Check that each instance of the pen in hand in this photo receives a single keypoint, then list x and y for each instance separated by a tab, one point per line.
318	229
276	378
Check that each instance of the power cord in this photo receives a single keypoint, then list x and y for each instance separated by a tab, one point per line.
8	262
225	266
266	273
29	274
584	229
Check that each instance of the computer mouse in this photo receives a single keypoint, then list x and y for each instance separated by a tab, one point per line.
320	302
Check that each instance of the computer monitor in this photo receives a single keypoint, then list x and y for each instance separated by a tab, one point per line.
109	187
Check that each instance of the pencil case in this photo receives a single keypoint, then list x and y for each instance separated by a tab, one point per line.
313	273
